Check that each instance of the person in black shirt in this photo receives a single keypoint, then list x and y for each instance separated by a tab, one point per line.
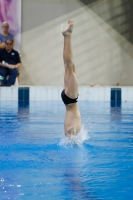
10	62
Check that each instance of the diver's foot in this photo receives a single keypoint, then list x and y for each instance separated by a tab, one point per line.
68	30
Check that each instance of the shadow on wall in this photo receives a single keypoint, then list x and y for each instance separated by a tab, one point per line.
87	2
118	14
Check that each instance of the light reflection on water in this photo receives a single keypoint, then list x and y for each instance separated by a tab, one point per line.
38	162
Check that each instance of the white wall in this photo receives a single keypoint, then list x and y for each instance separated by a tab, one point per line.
101	55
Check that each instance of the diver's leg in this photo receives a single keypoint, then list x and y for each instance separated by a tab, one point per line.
70	80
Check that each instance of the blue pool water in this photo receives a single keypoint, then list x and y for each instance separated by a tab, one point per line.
36	161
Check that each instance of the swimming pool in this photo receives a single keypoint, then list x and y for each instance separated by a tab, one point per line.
36	161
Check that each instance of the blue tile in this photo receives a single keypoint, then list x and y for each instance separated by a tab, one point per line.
116	94
26	94
118	97
20	94
112	94
23	94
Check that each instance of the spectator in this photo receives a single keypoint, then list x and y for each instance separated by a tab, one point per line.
5	34
10	63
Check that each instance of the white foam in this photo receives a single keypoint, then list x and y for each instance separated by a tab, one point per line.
75	139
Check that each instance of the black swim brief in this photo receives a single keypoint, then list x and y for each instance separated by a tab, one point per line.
66	99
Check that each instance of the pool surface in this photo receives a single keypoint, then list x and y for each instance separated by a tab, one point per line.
37	162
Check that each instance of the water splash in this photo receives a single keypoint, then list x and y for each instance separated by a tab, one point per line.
75	139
